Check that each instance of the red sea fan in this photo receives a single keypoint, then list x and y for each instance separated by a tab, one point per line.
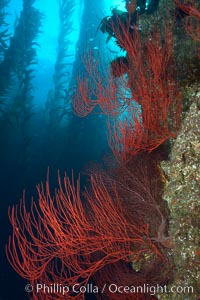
145	103
192	23
67	239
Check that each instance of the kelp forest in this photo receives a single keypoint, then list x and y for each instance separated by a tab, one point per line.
100	176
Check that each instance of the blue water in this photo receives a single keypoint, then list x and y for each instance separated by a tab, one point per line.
27	152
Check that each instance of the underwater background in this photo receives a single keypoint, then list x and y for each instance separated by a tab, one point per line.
38	126
44	46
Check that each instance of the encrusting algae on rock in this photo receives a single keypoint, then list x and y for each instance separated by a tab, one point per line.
182	191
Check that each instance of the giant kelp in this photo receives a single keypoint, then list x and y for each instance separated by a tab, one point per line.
57	107
17	71
4	39
58	100
20	52
4	33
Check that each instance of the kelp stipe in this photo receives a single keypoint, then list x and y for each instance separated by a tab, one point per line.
4	40
24	46
57	106
58	102
20	57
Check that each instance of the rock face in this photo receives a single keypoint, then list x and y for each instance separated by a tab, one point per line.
182	191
